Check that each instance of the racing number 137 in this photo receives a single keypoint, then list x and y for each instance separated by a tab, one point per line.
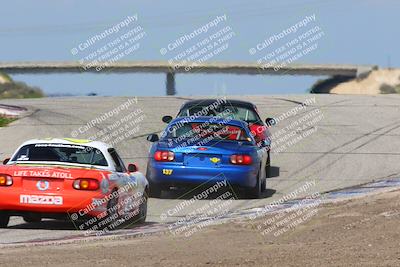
167	171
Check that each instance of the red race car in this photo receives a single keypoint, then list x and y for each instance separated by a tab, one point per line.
71	179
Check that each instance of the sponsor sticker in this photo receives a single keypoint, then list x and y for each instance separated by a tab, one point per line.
43	173
215	160
43	185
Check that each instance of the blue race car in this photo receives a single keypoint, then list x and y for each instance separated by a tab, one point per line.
193	151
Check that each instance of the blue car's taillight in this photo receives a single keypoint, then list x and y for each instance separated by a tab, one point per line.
241	159
164	155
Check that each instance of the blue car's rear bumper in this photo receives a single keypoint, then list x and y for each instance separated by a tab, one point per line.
242	176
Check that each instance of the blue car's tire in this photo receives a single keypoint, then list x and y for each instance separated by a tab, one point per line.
264	185
155	190
268	167
256	191
267	173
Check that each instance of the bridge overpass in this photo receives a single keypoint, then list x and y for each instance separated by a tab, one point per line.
184	67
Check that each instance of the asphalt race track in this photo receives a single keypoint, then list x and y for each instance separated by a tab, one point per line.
356	141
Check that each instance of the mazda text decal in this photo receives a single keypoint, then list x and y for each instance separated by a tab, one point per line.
43	200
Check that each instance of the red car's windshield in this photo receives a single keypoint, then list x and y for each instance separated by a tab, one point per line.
206	130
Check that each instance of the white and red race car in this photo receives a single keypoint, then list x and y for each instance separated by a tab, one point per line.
74	180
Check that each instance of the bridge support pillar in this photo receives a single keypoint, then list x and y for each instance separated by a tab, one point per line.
170	83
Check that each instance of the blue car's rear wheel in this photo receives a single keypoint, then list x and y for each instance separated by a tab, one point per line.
256	191
155	190
268	167
267	173
264	185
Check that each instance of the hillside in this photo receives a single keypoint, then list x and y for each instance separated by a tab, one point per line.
13	89
383	81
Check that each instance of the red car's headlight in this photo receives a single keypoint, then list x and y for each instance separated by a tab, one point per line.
5	180
86	184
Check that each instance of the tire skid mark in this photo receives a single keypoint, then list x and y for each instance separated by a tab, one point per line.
342	146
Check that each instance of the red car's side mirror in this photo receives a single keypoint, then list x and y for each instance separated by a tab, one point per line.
167	119
132	167
6	161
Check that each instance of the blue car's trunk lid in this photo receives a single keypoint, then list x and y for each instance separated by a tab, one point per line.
211	154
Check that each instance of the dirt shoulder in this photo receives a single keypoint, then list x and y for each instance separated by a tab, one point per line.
377	82
361	232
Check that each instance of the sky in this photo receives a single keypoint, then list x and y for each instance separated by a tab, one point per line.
354	32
